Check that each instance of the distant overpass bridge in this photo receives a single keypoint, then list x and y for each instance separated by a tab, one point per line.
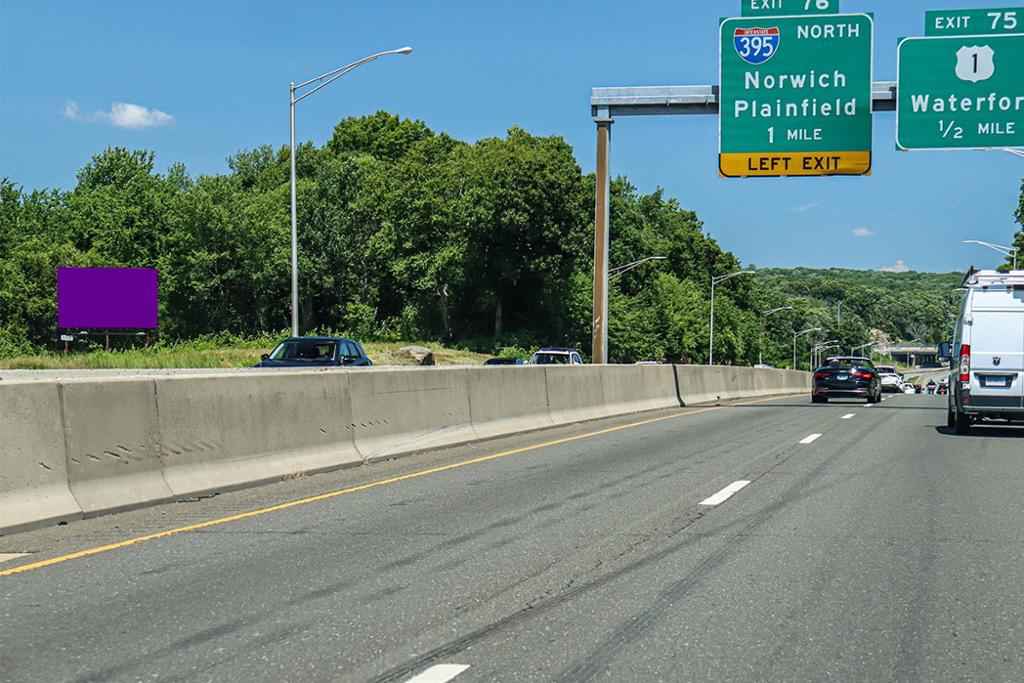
911	355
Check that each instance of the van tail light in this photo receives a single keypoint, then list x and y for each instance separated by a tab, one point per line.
965	362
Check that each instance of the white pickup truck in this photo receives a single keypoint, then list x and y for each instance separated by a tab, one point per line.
987	379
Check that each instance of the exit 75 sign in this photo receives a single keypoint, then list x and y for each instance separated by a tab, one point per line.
960	92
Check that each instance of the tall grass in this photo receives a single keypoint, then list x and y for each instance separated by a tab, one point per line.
212	353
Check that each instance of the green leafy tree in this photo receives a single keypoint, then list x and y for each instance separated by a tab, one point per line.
1018	240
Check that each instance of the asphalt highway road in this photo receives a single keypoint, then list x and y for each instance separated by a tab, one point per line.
868	544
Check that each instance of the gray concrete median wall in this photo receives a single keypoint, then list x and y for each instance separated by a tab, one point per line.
218	432
521	405
112	444
71	446
33	468
397	411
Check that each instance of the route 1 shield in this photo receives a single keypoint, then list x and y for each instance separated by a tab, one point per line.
975	63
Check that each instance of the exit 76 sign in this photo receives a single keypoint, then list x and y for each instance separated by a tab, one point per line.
795	95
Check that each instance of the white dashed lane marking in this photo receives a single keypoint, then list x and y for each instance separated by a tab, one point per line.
725	494
849	416
4	557
810	439
439	673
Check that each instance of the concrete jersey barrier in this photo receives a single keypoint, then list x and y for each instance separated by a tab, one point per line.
83	446
33	468
220	432
112	444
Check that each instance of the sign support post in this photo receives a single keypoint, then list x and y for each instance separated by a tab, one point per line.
602	212
687	100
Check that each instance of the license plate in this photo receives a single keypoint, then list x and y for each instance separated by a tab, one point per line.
995	382
842	378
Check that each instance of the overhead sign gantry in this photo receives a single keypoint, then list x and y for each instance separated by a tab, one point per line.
796	97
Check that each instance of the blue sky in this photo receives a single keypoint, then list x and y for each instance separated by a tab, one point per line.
210	78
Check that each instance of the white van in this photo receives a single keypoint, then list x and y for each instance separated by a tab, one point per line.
987	378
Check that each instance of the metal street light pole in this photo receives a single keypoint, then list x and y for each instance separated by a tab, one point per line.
715	280
622	270
764	319
800	334
331	76
821	353
818	348
1005	251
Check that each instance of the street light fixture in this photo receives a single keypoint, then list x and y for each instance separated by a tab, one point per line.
331	76
622	270
800	334
764	318
818	348
773	311
862	346
715	280
1005	251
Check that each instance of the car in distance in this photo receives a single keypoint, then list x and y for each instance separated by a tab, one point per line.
555	356
308	352
503	361
987	378
846	377
891	380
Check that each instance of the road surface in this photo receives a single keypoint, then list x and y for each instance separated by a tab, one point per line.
775	540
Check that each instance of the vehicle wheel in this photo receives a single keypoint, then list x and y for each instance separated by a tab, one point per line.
950	418
963	423
873	398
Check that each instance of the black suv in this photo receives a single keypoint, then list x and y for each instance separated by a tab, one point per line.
307	352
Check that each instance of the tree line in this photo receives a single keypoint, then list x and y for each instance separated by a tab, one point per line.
406	233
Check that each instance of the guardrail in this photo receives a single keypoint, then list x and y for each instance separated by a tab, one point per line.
81	447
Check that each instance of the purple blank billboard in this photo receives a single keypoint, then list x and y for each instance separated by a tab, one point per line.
107	298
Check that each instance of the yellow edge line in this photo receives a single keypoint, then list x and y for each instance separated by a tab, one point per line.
354	489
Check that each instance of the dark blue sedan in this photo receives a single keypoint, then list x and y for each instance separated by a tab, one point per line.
307	352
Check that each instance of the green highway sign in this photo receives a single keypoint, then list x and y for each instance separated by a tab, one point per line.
781	8
795	95
974	22
960	92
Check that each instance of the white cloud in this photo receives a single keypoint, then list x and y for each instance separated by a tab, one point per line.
862	232
805	207
70	110
127	115
900	267
121	115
